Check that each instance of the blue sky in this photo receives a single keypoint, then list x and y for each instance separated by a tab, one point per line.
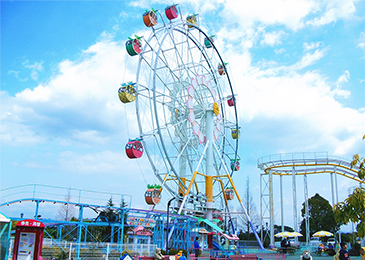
297	67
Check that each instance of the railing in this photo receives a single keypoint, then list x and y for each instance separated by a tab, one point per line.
56	193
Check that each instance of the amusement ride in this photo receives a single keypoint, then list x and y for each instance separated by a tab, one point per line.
187	115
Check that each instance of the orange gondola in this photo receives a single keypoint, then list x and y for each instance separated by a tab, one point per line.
231	101
134	148
152	195
229	193
235	165
150	18
127	93
222	69
171	12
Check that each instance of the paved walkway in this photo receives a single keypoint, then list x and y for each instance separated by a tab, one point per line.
297	256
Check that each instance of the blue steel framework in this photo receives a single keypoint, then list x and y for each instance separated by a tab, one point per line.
180	239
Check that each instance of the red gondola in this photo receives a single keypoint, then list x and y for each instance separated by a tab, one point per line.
150	18
171	12
229	193
134	148
231	101
152	195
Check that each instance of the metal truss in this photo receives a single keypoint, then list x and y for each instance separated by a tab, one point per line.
295	164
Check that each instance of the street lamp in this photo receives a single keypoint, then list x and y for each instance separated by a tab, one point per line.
167	225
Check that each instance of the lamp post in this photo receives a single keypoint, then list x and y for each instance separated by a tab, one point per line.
167	225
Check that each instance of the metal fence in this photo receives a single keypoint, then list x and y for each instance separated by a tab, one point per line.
91	251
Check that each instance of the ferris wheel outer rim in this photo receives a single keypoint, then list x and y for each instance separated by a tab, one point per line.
172	192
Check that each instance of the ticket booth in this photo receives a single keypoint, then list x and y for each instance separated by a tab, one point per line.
28	240
5	225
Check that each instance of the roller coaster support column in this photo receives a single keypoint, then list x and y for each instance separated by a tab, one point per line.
272	239
306	213
79	231
36	209
295	201
281	203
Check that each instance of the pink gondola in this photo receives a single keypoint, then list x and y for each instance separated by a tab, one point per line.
134	149
235	165
171	12
231	101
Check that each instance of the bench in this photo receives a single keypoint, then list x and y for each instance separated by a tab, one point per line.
243	257
289	250
166	257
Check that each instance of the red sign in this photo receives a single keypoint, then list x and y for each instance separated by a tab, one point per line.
30	223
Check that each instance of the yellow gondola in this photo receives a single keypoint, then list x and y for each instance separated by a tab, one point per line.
236	133
192	19
127	93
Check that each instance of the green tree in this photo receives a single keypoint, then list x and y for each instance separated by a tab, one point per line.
353	208
321	216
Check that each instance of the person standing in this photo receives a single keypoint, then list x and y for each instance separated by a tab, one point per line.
196	247
284	245
343	254
362	253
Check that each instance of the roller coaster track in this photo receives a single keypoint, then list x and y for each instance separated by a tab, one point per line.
295	164
308	163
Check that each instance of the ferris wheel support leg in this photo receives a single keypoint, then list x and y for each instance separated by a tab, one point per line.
192	180
226	203
187	193
245	211
209	165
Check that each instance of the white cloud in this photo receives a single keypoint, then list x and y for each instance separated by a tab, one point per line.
344	78
35	68
272	38
334	11
311	45
281	12
361	43
310	58
81	98
298	108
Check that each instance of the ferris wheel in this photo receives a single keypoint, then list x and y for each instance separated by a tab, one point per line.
186	110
